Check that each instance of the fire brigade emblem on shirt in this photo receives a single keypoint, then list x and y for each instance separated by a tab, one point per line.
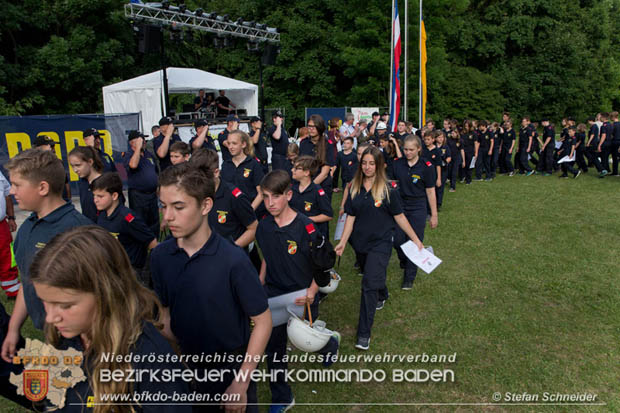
292	247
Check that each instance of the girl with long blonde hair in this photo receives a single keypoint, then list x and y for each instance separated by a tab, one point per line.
95	304
373	208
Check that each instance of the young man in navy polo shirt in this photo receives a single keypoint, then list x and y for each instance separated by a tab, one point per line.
284	237
547	147
202	138
232	124
615	143
592	147
92	138
209	289
279	141
37	177
142	181
162	143
483	152
259	139
135	237
526	136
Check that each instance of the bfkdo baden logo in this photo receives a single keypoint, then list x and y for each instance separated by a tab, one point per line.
48	372
35	384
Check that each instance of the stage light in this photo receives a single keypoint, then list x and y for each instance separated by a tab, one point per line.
249	24
223	18
182	8
239	21
261	26
165	4
198	12
272	30
210	15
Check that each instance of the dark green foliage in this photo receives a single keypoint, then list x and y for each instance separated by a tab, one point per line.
537	57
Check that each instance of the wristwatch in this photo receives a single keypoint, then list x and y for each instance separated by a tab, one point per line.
10	217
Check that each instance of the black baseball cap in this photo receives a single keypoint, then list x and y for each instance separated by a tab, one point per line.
277	114
544	120
92	131
200	123
42	140
255	119
166	120
375	113
134	134
232	118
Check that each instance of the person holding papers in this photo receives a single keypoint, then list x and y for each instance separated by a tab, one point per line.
373	207
568	149
416	186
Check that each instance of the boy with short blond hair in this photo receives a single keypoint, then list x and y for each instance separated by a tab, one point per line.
37	179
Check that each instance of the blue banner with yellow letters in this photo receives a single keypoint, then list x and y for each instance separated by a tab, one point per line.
17	133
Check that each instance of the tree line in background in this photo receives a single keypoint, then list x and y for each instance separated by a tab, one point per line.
543	58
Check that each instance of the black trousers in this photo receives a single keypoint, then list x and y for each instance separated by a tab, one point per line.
523	161
604	155
546	160
580	157
483	164
440	189
453	171
592	156
416	215
374	289
467	170
507	160
144	204
494	161
615	156
568	167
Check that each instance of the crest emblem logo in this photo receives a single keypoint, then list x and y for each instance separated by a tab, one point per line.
35	384
246	172
221	217
292	247
377	204
308	206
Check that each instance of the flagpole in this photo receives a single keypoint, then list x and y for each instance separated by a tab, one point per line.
406	46
391	57
420	82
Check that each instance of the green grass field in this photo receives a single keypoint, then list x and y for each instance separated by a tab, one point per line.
527	297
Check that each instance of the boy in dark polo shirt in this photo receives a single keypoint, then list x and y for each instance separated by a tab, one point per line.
202	138
484	152
279	141
547	147
284	237
133	234
162	143
142	181
37	177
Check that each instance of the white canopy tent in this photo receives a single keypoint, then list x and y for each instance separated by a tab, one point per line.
145	93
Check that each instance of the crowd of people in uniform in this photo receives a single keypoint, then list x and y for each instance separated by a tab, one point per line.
104	280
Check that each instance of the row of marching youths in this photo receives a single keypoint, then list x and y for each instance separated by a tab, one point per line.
81	283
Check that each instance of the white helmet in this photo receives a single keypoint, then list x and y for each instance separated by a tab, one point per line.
333	284
304	337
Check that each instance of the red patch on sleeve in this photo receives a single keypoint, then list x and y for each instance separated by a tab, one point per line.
393	184
310	228
257	160
236	192
428	163
321	192
129	218
330	141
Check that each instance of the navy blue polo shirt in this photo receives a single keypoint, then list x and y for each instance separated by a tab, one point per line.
374	220
246	176
34	234
221	138
232	212
567	145
260	148
594	131
286	251
581	139
108	162
165	161
616	132
130	230
468	142
496	140
484	139
445	154
455	149
524	134
549	132
311	202
414	180
279	146
306	147
150	341
144	177
348	165
207	144
433	155
509	136
87	203
607	129
211	295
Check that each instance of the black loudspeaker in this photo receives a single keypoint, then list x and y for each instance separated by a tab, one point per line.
269	54
149	39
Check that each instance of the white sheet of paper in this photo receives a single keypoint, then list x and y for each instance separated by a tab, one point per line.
567	159
278	306
558	144
340	227
424	259
529	157
472	164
